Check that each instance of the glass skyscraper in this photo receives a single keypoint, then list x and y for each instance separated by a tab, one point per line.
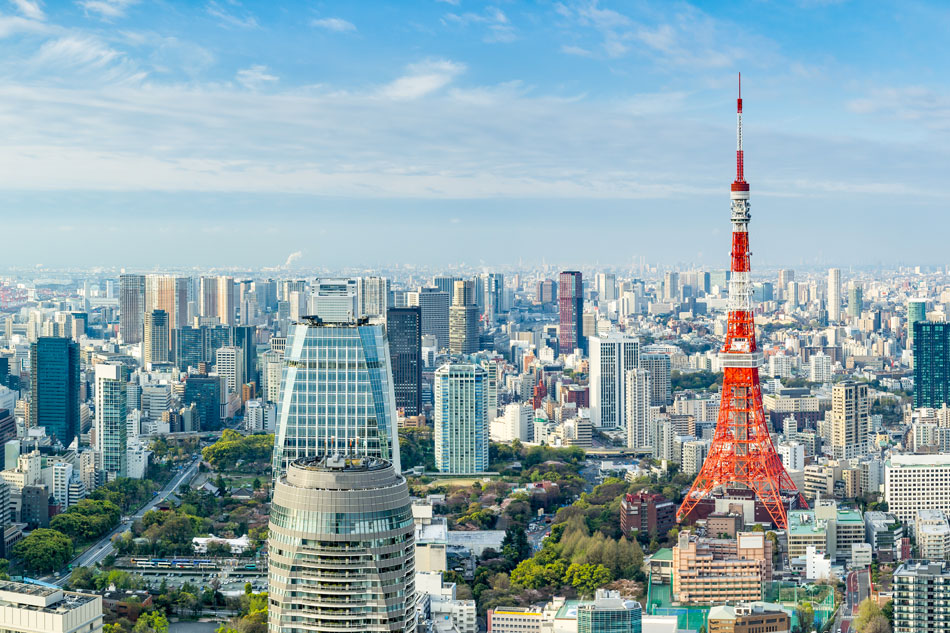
931	364
916	311
404	331
336	394
131	307
54	374
570	301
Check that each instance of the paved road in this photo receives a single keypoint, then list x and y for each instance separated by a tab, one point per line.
103	547
857	589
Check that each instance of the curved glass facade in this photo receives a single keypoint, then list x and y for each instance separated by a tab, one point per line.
336	394
341	549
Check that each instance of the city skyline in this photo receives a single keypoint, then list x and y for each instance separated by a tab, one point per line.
216	125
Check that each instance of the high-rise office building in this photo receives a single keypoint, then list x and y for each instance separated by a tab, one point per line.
834	294
491	297
637	403
463	319
336	394
445	284
131	308
671	289
931	364
547	291
195	345
461	419
229	363
207	394
404	331
225	301
611	356
155	349
111	418
168	293
916	311
855	300
334	300
347	523
785	276
372	296
434	304
658	365
570	299
850	419
54	378
606	286
208	297
244	337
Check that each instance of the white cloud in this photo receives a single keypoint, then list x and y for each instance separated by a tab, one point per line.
576	50
30	9
334	24
255	76
107	9
499	28
422	79
245	21
88	56
14	24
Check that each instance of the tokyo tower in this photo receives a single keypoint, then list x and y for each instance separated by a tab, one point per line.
742	451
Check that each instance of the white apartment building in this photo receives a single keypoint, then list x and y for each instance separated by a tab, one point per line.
638	411
933	535
260	417
611	357
461	422
517	423
229	363
694	454
819	368
916	482
792	454
62	474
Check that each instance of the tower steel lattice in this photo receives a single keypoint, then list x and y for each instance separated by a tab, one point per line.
742	450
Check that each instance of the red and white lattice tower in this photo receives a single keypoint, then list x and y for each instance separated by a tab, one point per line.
741	450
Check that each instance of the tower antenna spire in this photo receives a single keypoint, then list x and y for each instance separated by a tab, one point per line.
740	158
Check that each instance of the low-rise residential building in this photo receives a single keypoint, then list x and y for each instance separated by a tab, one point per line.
646	513
819	480
432	535
933	535
884	532
714	571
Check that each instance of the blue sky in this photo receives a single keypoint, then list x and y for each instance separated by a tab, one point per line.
225	133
